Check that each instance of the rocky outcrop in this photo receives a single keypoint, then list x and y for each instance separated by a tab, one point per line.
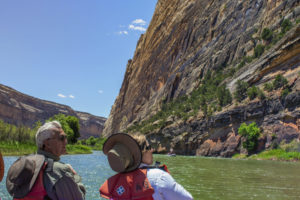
184	40
20	109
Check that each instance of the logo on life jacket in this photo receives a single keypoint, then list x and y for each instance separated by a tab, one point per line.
120	190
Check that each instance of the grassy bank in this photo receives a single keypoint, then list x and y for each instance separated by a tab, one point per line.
18	149
274	154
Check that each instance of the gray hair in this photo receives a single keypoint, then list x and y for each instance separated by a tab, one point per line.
46	131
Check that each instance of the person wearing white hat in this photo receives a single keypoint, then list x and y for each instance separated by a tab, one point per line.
131	157
42	175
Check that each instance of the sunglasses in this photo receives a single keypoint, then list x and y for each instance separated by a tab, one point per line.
61	138
148	147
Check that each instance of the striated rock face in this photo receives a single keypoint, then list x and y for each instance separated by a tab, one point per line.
184	40
20	109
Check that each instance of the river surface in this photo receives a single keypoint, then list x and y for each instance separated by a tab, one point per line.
204	178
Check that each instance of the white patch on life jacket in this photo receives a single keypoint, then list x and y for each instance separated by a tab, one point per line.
120	190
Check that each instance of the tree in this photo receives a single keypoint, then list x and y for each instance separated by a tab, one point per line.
224	96
286	25
267	34
279	81
241	90
258	50
252	92
251	132
70	125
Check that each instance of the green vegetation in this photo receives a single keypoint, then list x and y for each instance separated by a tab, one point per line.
70	125
284	92
13	148
268	87
254	92
21	140
21	134
92	142
286	25
282	152
259	50
241	90
271	37
267	34
251	132
279	82
209	97
277	154
78	149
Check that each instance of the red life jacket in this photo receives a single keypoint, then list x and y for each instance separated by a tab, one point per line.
37	191
128	186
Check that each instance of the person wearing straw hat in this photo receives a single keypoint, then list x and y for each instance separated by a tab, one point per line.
131	157
42	175
1	167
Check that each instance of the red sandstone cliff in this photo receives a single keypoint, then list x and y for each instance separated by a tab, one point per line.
184	40
20	109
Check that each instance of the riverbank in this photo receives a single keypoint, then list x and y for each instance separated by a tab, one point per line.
19	149
274	154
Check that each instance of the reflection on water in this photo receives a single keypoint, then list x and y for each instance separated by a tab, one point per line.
205	178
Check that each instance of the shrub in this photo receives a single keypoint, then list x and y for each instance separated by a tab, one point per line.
251	132
261	94
279	81
242	64
252	92
267	34
241	90
284	93
224	96
258	50
268	87
286	25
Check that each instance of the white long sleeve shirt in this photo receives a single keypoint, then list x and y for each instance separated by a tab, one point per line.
165	187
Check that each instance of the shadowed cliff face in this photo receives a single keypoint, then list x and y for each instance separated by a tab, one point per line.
185	39
20	109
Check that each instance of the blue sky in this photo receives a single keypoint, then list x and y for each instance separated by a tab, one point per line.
72	52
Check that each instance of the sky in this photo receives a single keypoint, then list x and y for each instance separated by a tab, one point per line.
72	52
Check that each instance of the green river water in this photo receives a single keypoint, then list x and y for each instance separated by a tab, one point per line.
204	178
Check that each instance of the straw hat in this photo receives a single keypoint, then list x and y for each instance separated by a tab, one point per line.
1	167
123	152
22	174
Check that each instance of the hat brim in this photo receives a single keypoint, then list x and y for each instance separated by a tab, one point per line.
23	190
130	143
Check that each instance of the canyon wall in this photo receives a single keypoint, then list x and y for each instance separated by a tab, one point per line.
188	38
20	109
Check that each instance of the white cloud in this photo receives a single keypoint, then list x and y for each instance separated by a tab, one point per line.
61	96
123	33
136	28
71	96
100	91
139	21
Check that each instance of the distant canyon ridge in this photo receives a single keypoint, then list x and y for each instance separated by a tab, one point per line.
20	109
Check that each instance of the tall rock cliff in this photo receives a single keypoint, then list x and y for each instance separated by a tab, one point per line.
188	38
20	109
